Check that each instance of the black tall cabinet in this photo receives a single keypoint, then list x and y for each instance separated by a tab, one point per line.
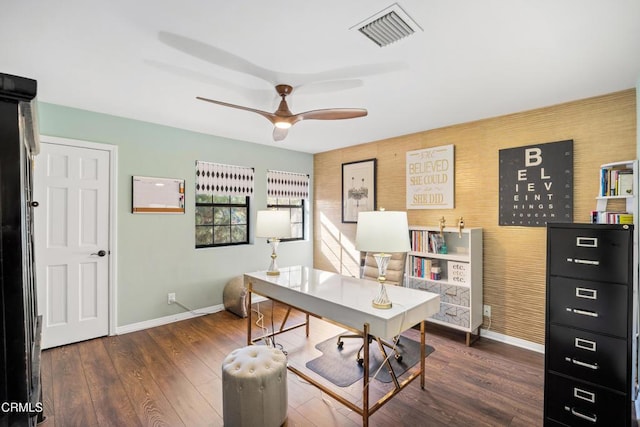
20	325
589	325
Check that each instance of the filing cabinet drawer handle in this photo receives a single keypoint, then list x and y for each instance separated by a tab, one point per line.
592	418
583	364
587	242
585	344
584	395
582	312
586	261
451	294
586	293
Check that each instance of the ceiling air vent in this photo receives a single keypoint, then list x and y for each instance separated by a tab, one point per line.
388	26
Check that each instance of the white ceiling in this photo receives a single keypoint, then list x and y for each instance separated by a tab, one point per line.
473	59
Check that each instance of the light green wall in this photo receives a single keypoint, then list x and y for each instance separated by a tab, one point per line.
156	253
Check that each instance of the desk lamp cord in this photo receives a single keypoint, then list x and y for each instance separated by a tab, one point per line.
273	333
395	344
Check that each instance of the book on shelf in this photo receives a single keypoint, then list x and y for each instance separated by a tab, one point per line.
427	241
419	240
436	242
625	184
606	217
616	181
420	267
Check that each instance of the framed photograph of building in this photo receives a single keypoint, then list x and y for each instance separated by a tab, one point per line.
358	189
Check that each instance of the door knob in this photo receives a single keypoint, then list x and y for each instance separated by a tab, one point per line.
100	253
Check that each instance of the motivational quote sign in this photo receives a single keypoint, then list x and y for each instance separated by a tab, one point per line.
430	174
536	184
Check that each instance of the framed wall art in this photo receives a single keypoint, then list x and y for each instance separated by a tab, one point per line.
536	184
430	175
358	189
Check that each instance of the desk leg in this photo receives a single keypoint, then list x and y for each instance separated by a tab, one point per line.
422	355
286	317
365	378
249	315
387	362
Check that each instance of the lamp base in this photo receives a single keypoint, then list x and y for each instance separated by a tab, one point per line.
382	300
273	267
384	305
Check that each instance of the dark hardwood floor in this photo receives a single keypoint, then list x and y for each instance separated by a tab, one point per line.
171	376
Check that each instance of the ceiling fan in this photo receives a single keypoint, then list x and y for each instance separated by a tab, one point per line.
283	118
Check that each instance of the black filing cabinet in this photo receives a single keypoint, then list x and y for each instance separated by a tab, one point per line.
588	343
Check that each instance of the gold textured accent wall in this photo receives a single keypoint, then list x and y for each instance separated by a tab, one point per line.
603	130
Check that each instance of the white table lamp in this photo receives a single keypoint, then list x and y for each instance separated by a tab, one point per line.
382	232
273	225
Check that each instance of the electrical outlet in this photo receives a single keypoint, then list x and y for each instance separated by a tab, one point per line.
171	298
486	310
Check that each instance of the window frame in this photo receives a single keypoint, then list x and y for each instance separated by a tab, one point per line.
213	205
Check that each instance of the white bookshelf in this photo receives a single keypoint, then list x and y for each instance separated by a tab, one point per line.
460	282
631	206
603	199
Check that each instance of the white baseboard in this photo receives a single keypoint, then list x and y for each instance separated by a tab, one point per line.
512	341
133	327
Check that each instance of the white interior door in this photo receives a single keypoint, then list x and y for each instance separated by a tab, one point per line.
72	252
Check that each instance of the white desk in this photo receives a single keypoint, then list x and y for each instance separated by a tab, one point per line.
347	302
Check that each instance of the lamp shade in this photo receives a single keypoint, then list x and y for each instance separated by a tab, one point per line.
273	224
382	231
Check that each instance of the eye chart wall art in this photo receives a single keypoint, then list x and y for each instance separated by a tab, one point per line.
536	184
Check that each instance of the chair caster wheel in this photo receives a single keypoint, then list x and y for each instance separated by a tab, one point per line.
340	344
360	361
399	357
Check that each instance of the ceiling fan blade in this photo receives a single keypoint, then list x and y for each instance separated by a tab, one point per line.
333	114
198	76
267	115
230	61
328	86
279	134
215	55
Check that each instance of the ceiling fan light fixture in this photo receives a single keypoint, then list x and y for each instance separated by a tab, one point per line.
282	124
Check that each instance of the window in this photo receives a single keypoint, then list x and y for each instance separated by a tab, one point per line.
288	191
221	220
223	195
296	212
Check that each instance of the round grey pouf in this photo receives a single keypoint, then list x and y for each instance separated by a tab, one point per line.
234	296
254	387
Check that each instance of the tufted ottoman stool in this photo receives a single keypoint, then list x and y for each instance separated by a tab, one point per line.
254	387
